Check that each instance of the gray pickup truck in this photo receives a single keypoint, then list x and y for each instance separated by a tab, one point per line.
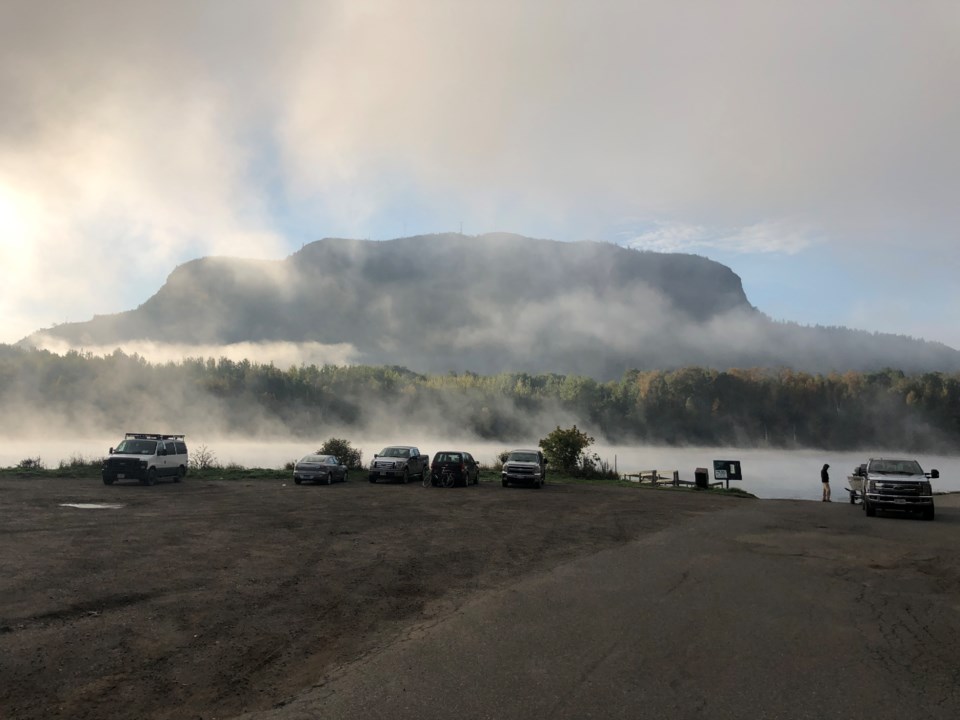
399	462
527	467
896	484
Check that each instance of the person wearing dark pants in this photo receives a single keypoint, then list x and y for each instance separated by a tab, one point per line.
825	481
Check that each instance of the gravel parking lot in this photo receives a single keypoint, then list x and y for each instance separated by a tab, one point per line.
210	598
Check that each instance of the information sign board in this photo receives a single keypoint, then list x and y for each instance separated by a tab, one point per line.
727	470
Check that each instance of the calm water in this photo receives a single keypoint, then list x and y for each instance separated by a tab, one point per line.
766	473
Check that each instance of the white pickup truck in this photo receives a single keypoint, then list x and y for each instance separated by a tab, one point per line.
896	484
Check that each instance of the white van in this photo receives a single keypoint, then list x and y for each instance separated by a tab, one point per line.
146	457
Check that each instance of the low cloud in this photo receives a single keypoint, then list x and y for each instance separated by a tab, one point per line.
281	354
783	237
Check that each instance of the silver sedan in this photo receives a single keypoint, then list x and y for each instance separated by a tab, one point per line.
319	469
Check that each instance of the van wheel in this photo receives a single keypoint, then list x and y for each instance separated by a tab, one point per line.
181	471
152	476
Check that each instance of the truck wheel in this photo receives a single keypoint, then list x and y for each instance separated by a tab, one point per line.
928	514
406	477
373	480
108	479
504	483
297	480
869	509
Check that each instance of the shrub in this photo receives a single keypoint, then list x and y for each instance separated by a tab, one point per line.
343	451
31	464
591	466
79	462
564	448
203	458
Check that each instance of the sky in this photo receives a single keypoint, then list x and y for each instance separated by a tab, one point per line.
810	146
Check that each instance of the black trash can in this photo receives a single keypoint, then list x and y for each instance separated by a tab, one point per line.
701	476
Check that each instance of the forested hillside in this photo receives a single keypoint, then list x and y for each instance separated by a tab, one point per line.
43	392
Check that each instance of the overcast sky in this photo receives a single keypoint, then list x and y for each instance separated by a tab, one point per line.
811	146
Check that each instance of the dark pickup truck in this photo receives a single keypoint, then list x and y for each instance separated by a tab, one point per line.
399	462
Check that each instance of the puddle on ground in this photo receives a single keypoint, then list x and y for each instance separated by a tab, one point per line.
92	506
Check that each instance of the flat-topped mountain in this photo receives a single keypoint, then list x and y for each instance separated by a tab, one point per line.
492	303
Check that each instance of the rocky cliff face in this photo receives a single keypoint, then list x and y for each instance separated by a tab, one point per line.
492	303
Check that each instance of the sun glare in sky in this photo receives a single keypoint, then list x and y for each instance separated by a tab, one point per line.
13	226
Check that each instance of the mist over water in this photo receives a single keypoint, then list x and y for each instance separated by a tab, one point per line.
770	474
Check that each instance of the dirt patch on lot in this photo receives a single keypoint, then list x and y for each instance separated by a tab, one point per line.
208	599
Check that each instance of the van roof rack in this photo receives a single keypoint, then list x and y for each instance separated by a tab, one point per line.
153	436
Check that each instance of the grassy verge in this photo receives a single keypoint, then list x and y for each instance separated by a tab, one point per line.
237	472
65	471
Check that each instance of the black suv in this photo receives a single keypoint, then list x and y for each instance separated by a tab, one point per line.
460	465
528	467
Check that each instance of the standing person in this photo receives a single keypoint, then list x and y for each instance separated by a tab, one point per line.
825	481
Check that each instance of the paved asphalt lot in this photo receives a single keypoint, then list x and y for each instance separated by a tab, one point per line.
772	609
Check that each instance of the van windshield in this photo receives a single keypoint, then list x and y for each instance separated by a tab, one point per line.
137	447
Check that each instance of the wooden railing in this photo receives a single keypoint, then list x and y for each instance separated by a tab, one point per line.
657	478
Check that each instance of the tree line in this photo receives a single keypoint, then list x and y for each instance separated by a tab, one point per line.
736	407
